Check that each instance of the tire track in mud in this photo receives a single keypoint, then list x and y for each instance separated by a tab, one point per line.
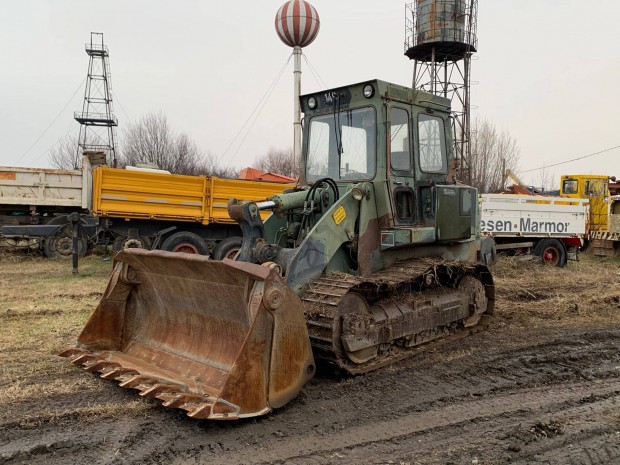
475	411
461	402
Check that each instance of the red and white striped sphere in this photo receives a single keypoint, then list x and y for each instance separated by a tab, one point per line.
297	23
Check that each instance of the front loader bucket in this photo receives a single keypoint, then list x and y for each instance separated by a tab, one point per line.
221	340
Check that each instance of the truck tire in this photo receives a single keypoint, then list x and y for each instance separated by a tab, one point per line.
552	252
227	248
60	245
123	242
186	242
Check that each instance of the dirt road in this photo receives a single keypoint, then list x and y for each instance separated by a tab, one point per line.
535	388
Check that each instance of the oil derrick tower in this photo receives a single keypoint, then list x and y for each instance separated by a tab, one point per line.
97	120
440	36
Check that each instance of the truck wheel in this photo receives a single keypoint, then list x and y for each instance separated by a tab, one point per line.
186	242
552	252
123	242
227	248
60	245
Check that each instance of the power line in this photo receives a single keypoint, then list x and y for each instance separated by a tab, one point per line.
52	123
49	150
261	103
314	72
573	159
121	105
264	103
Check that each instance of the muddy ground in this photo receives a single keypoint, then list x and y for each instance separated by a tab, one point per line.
542	385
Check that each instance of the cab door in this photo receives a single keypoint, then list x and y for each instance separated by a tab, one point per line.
399	149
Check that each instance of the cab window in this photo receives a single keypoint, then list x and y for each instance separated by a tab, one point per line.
594	187
400	153
342	145
432	144
569	186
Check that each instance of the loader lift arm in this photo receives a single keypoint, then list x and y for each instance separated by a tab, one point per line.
300	265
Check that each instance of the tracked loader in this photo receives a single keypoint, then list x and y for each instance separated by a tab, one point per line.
374	255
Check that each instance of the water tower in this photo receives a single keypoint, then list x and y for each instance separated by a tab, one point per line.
441	39
297	24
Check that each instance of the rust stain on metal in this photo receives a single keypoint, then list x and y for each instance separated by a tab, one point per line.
369	241
7	176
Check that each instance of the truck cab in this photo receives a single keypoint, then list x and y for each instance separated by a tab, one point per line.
593	187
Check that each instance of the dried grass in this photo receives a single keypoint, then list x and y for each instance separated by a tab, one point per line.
583	292
43	307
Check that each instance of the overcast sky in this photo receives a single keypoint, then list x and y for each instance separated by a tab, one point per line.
547	71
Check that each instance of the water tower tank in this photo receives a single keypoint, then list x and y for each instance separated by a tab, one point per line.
297	23
441	29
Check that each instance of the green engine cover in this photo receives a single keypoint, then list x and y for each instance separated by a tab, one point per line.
456	212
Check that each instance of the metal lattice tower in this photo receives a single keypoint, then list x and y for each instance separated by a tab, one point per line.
97	120
440	36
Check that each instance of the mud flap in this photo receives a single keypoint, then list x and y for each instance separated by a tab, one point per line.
221	340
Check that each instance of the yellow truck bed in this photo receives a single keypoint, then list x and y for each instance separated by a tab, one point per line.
133	194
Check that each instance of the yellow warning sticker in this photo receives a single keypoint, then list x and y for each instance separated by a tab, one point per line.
339	215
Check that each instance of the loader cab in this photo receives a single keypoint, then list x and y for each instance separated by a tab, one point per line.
400	141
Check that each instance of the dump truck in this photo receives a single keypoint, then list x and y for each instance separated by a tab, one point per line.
552	228
132	207
373	256
31	197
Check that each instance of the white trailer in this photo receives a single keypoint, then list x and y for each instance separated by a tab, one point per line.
42	190
552	228
39	197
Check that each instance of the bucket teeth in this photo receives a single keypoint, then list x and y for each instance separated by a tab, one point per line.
102	366
198	406
84	359
72	353
118	373
201	412
183	399
159	389
138	380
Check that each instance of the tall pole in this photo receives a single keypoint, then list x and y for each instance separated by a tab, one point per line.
297	107
297	24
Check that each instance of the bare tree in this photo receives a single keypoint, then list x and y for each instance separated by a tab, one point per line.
546	180
152	140
209	166
64	155
278	161
492	152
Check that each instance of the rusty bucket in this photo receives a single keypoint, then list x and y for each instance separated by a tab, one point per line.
221	340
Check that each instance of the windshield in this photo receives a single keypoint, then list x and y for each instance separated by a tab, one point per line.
342	145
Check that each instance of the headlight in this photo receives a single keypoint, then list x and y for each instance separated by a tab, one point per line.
369	91
311	103
358	193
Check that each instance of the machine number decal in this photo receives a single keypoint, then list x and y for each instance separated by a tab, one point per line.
339	215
